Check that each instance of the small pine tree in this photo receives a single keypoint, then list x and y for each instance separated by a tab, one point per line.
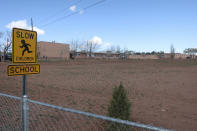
119	108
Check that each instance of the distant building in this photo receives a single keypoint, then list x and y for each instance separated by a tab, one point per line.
52	50
96	55
177	56
108	55
181	56
167	55
143	57
128	55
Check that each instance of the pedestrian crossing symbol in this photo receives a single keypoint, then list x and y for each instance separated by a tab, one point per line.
24	43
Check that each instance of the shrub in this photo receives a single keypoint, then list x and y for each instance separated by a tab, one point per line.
119	108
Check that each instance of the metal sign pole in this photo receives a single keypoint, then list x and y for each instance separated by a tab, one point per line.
25	107
24	84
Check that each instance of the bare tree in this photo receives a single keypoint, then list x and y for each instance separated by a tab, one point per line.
91	47
118	49
7	44
172	52
1	35
83	46
113	49
75	46
190	51
124	53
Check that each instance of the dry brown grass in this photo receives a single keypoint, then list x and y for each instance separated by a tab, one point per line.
163	92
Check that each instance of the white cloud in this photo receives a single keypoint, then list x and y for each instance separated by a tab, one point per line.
81	12
96	40
73	8
107	45
19	24
38	30
23	24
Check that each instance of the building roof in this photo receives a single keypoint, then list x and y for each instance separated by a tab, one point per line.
53	42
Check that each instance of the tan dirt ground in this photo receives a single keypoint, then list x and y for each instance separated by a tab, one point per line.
163	92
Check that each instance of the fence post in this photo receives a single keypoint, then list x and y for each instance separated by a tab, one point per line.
25	113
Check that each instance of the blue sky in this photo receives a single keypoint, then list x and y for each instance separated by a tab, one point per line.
138	25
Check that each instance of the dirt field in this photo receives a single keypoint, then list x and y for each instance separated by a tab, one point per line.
163	92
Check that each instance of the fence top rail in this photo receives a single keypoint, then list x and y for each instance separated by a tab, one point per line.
13	97
91	114
101	117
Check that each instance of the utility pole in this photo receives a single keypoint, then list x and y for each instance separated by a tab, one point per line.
32	27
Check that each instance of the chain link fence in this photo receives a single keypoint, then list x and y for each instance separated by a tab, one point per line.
42	116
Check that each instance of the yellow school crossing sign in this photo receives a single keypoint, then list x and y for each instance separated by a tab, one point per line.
24	43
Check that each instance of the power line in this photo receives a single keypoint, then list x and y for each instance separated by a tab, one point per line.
74	13
56	13
94	4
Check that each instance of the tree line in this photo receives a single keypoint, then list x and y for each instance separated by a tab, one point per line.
89	47
190	51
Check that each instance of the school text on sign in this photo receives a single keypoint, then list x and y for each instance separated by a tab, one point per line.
26	69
